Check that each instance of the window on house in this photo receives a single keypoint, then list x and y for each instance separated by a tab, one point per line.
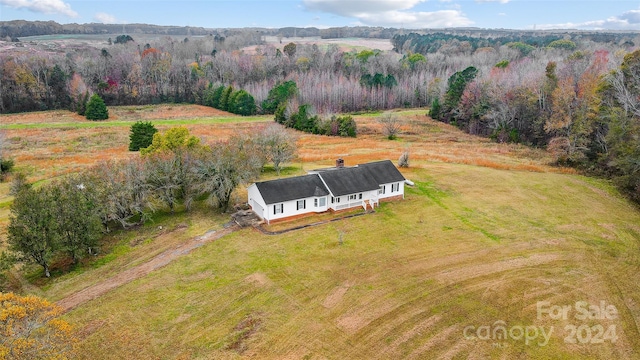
382	189
315	202
333	200
352	197
323	201
395	187
360	196
301	204
338	200
278	209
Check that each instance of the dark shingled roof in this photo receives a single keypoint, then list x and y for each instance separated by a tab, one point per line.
299	187
384	172
349	180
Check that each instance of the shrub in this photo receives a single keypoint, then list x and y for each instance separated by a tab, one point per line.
6	165
403	161
347	126
300	119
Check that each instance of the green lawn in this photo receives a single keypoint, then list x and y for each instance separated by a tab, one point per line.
469	246
119	123
473	244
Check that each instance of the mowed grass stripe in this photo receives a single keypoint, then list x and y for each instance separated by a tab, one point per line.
373	296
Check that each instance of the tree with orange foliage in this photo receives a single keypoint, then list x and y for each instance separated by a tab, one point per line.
30	328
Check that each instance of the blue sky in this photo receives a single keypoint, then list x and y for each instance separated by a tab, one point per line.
508	14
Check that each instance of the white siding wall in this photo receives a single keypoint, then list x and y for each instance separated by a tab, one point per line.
388	193
290	208
319	208
256	202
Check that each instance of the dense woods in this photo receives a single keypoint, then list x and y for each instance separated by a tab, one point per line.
573	93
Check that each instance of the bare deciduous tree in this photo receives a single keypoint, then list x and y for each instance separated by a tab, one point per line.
123	192
279	145
229	164
390	125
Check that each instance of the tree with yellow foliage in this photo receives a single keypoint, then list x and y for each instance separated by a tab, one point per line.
174	140
30	328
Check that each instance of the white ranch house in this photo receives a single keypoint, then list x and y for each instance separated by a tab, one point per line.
331	189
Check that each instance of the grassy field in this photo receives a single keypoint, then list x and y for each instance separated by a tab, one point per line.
488	232
468	247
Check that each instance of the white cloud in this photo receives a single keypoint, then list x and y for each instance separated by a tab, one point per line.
490	1
42	6
631	16
418	19
629	20
358	7
391	13
502	14
105	18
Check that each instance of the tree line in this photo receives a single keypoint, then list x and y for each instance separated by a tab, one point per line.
330	79
66	218
583	109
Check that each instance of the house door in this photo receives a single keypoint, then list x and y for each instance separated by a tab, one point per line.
257	209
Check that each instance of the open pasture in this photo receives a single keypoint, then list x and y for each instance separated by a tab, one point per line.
488	232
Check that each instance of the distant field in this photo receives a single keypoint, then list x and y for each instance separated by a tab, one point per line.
92	40
488	231
346	44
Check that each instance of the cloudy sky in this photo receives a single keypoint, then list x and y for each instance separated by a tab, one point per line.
511	14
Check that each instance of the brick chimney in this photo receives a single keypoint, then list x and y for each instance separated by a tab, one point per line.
340	163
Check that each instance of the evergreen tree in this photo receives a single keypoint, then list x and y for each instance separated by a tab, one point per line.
212	96
96	109
231	104
457	83
244	104
141	135
434	112
278	95
224	100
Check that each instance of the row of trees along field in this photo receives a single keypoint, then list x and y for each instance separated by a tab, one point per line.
584	109
573	93
329	79
66	218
